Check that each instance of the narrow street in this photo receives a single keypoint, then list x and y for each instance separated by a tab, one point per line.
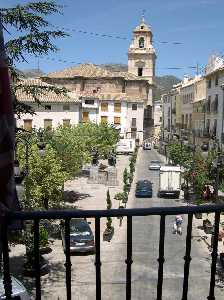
145	254
146	245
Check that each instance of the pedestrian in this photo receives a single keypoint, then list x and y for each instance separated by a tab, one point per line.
177	225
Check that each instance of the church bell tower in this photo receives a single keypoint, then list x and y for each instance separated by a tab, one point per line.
141	54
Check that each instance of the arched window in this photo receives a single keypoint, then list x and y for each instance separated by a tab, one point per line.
141	42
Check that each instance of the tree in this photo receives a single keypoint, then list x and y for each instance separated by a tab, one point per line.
109	203
132	167
74	144
125	176
35	38
180	154
109	206
45	181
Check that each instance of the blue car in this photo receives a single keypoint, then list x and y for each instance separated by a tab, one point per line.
143	189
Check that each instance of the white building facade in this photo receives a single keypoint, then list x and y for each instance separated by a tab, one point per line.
157	117
53	111
214	107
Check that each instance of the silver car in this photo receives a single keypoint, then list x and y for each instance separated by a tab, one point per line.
18	290
154	165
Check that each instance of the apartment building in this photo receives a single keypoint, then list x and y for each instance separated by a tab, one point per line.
214	106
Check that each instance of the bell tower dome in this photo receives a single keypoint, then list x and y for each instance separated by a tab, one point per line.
141	54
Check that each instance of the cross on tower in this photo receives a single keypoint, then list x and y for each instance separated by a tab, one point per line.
143	15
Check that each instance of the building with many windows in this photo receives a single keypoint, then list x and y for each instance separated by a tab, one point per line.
214	106
201	106
157	117
97	95
53	109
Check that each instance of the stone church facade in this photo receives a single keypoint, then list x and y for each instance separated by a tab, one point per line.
123	99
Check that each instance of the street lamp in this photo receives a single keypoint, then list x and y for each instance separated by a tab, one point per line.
18	174
41	146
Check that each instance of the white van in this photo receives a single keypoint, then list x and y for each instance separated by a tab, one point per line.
125	146
169	181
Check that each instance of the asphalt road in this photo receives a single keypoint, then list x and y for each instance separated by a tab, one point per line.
146	245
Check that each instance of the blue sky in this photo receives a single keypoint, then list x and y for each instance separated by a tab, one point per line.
198	24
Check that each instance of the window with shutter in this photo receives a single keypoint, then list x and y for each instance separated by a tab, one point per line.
104	106
104	119
28	124
117	107
85	117
66	122
117	120
47	124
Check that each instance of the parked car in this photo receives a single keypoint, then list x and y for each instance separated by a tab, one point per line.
19	292
147	146
155	165
143	189
205	147
81	236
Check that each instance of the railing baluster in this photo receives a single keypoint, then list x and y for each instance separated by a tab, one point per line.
6	267
129	260
187	257
214	257
37	258
97	258
161	258
68	259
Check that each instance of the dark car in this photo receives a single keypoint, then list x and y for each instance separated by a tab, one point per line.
143	189
205	147
81	236
147	146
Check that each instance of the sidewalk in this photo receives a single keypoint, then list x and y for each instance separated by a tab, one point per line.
197	223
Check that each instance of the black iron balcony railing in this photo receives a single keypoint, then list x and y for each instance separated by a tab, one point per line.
98	214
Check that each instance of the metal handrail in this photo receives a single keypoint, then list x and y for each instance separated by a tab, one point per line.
60	214
66	215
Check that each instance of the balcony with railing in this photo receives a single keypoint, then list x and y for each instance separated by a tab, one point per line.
162	212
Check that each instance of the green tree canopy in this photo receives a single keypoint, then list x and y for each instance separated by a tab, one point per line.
32	36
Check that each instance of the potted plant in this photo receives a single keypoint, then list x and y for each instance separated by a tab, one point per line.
130	177
44	243
207	225
126	188
125	198
198	215
119	197
29	264
109	231
125	176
